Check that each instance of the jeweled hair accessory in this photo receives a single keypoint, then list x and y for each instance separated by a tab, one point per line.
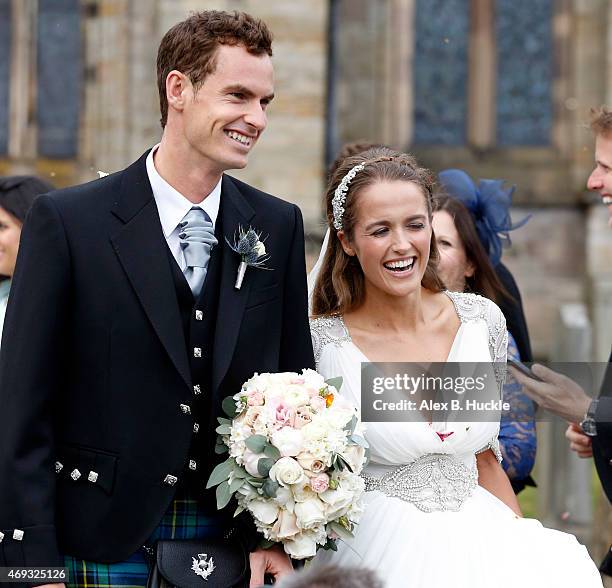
340	195
489	204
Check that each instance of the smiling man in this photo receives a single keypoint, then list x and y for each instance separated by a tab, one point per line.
127	329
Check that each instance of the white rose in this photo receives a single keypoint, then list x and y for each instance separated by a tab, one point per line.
355	456
288	441
295	395
260	248
265	511
287	471
285	526
337	502
310	513
301	546
310	462
249	461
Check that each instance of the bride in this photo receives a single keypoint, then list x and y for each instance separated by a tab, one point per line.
448	517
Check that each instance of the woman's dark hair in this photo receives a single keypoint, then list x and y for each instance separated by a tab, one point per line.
17	194
340	285
484	280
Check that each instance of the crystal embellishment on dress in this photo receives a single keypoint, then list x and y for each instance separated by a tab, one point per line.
75	474
432	483
59	466
170	480
185	409
1	536
93	477
203	566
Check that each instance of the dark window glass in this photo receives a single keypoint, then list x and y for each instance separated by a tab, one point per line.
5	72
441	71
523	32
59	77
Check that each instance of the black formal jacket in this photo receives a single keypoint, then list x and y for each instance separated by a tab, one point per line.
602	442
513	311
94	360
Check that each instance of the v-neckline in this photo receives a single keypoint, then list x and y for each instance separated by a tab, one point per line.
450	353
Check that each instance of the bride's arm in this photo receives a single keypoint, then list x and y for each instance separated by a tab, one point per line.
492	477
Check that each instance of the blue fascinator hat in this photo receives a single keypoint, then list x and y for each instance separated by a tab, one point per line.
489	204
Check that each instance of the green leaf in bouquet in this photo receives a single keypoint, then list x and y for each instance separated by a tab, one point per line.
358	440
264	465
342	463
221	448
256	482
221	473
335	382
270	487
224	429
350	426
266	544
341	531
331	544
224	495
240	472
238	510
256	443
271	452
224	421
229	406
236	483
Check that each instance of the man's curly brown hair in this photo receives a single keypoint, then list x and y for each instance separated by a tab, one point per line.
191	46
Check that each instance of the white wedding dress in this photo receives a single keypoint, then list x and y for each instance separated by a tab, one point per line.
433	526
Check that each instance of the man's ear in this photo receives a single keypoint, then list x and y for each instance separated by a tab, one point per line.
345	244
178	88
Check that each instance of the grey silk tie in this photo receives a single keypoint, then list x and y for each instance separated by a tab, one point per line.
197	238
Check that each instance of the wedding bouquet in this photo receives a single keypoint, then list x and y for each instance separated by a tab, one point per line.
295	455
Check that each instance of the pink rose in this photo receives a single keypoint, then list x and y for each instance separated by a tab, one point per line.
255	399
285	416
320	483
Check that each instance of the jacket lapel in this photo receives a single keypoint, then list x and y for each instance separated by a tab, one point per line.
143	252
235	211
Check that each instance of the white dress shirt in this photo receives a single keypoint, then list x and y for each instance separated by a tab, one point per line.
5	286
172	206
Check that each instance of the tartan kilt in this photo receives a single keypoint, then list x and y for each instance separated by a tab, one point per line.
184	519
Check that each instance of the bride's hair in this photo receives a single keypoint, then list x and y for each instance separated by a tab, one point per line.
340	285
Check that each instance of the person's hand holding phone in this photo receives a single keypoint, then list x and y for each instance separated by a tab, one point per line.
554	392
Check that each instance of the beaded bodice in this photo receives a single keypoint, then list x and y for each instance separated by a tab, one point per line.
431	465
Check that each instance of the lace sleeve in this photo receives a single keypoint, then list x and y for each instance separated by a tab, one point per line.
325	330
498	347
517	432
498	342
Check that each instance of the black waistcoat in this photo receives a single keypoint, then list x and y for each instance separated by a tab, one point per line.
199	324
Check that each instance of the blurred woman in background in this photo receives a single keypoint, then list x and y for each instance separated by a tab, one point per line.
17	193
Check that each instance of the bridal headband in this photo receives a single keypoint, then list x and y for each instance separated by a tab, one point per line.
340	195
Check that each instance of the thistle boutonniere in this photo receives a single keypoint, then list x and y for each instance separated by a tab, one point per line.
249	245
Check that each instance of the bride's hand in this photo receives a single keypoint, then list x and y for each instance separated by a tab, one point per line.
273	561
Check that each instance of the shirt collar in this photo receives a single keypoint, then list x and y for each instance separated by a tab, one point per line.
5	287
172	205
